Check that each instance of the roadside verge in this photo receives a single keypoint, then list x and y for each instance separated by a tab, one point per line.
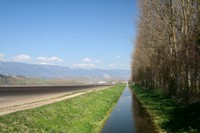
85	113
168	115
41	102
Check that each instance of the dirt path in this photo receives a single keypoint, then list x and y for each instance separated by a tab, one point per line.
47	100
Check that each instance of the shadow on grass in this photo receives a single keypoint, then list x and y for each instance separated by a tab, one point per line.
185	118
172	116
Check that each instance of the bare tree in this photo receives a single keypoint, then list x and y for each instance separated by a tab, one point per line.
167	49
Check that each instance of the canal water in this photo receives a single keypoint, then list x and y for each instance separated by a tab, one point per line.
128	116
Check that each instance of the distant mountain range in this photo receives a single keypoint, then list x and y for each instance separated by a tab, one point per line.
52	71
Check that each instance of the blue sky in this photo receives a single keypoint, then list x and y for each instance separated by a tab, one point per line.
74	33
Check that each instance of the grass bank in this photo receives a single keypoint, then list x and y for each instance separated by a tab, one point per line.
168	115
83	114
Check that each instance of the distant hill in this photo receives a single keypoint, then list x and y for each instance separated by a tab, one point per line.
52	71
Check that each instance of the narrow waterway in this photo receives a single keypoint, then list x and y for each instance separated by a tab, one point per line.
128	116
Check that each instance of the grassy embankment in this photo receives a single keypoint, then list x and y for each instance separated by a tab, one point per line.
168	115
83	114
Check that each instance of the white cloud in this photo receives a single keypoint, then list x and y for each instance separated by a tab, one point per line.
22	58
87	60
44	63
112	65
46	60
118	56
97	61
83	65
2	55
106	76
42	58
86	63
55	59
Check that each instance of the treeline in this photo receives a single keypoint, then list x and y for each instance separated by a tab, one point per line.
167	48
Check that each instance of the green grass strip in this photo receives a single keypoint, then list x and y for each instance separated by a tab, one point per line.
168	115
83	114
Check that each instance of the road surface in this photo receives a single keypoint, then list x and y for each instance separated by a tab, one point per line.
18	97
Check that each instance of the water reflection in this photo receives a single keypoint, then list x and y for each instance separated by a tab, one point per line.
128	116
121	119
143	123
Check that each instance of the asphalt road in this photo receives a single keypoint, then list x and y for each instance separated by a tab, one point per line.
30	90
18	95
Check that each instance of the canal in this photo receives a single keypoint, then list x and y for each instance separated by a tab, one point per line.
128	116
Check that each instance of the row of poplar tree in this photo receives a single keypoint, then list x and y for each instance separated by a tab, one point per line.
167	47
